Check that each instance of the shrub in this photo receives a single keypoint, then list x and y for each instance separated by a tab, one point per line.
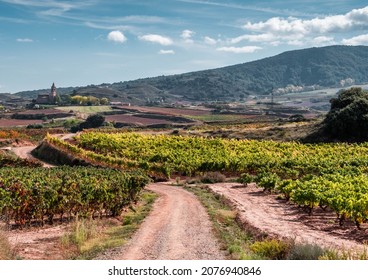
246	179
6	252
348	116
268	181
271	249
213	177
93	121
306	252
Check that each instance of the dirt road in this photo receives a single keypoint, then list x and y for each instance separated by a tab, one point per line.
25	152
177	228
273	216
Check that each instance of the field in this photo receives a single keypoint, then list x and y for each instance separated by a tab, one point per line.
325	184
15	123
325	175
85	109
133	120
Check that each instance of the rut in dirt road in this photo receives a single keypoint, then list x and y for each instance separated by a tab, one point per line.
178	227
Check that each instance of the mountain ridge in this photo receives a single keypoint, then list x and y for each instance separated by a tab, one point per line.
332	66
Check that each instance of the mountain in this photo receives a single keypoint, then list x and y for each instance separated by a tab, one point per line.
332	66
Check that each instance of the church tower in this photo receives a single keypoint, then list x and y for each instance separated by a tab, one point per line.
52	96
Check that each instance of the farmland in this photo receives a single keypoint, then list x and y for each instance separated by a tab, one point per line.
190	145
326	175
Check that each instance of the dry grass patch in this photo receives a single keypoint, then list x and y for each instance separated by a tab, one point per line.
6	250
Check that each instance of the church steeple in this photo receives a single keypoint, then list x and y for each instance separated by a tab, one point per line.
53	93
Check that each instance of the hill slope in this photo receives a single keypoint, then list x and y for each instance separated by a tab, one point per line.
324	67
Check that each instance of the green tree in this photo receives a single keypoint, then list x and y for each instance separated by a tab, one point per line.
348	116
104	101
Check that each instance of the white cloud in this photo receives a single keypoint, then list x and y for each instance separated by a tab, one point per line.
318	31
295	43
54	7
357	40
210	41
247	49
24	40
116	36
154	38
254	38
166	52
187	36
324	40
355	19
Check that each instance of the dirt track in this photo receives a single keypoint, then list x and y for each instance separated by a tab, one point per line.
25	152
177	228
267	214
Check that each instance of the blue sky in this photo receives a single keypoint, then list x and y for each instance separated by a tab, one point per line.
76	43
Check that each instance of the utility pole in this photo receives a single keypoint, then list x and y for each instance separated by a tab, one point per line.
272	98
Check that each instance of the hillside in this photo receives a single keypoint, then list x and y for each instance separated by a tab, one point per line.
311	68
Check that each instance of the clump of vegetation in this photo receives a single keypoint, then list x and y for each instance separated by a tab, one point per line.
213	177
306	252
272	249
82	230
246	179
35	126
93	121
6	251
347	119
88	100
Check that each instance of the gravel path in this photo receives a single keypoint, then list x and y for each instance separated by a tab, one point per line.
178	228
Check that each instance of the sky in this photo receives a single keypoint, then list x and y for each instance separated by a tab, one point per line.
79	43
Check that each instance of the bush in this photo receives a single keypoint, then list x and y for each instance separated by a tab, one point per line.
246	179
306	252
268	181
348	116
6	252
213	177
271	249
93	121
34	126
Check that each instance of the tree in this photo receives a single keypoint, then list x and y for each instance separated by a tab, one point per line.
104	101
348	117
93	121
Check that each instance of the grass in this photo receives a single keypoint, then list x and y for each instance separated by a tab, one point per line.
89	238
86	109
6	251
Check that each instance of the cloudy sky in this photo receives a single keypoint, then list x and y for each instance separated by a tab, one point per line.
76	43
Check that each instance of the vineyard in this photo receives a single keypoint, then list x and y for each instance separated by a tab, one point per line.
330	176
35	195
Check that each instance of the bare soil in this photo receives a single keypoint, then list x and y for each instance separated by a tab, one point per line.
15	122
277	218
25	152
38	243
178	228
